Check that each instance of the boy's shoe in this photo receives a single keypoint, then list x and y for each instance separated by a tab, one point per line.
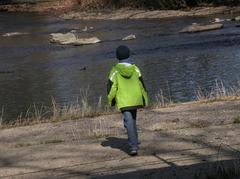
133	152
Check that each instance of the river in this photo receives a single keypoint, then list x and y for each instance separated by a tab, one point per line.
32	70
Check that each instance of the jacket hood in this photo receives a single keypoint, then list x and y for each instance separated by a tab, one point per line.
125	69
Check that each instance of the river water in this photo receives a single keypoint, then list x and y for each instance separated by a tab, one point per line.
32	70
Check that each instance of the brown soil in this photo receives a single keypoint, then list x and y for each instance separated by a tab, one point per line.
176	142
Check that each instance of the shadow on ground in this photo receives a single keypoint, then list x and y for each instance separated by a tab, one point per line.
116	143
184	156
228	169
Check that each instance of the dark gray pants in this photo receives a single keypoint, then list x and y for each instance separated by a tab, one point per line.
129	118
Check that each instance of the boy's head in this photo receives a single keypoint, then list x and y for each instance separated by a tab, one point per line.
122	52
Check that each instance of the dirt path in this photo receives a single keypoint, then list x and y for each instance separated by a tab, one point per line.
176	142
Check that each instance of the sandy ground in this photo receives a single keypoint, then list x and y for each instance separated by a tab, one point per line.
184	141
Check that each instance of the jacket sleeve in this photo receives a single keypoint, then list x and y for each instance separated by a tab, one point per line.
144	92
111	93
112	88
141	80
143	87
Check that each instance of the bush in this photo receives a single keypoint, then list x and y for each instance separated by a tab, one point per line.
227	2
162	4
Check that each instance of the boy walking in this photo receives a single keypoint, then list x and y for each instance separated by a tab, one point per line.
127	91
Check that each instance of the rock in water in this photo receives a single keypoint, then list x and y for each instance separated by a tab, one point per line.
85	41
217	20
83	68
13	34
86	28
71	38
73	31
129	37
201	28
60	38
237	18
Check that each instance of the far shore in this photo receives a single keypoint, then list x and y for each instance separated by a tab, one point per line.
70	10
126	13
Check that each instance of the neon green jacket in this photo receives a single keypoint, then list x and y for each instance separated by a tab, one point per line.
126	88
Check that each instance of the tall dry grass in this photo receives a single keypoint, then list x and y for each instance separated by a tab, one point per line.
78	109
161	100
219	91
81	107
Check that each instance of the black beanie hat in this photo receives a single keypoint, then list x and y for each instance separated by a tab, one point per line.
122	52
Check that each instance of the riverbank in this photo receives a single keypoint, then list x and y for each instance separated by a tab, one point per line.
46	7
179	141
127	13
71	9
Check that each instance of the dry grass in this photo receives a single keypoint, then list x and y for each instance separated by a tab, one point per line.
75	110
92	128
82	107
219	92
161	100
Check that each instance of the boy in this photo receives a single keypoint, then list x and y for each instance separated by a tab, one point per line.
126	89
